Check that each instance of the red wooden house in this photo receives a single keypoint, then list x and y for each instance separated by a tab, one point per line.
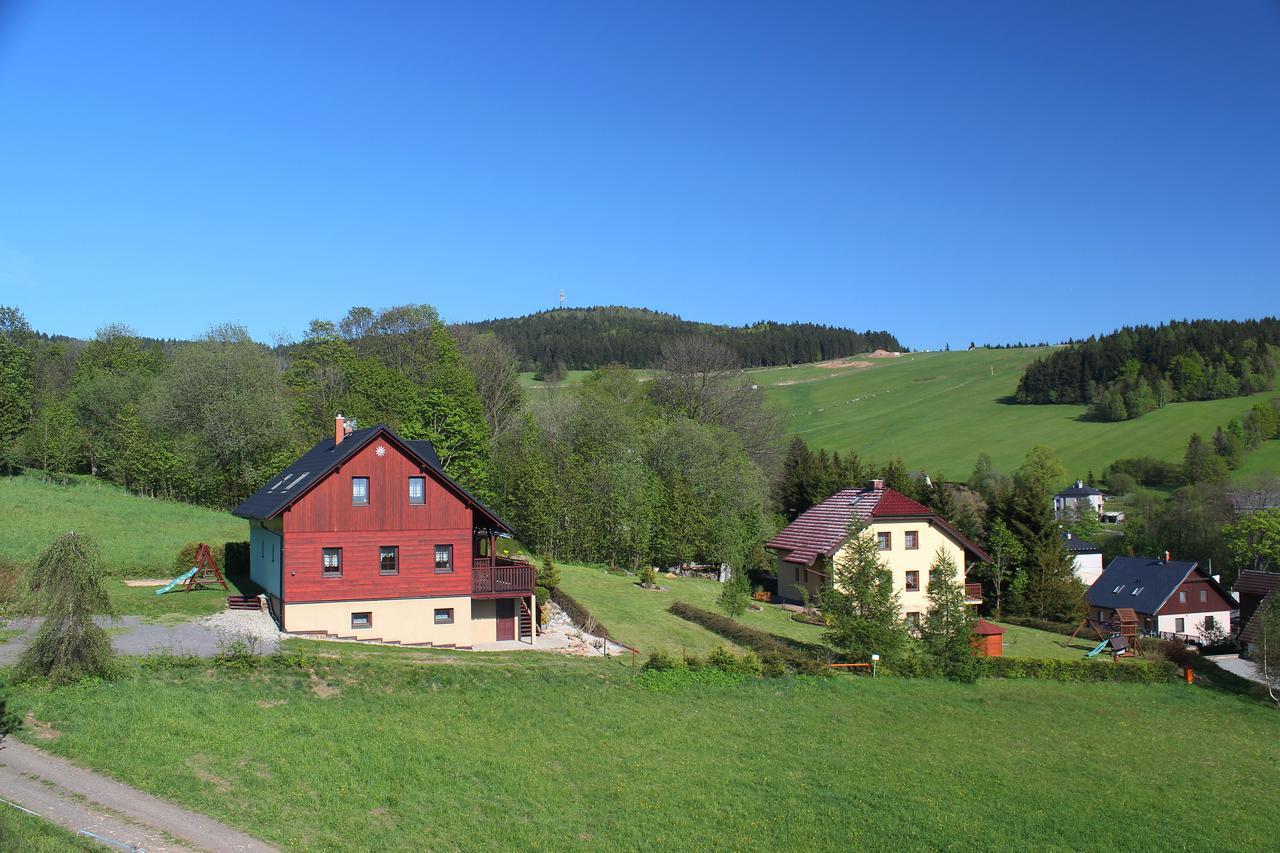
365	536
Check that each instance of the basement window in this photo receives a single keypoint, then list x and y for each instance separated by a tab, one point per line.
361	620
444	616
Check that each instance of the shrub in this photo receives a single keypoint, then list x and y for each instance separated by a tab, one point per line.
186	557
240	651
807	618
662	660
721	658
547	574
235	558
1130	671
749	663
800	656
648	577
692	661
10	573
542	593
772	665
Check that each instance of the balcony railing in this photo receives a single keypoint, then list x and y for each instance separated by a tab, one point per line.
507	577
973	591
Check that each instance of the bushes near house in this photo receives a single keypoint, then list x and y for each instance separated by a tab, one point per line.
664	671
186	556
795	654
1130	671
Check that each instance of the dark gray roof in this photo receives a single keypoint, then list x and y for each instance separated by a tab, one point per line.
1078	546
1143	583
1078	490
314	465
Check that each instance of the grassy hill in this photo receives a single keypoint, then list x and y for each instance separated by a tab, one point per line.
545	751
639	617
138	536
939	410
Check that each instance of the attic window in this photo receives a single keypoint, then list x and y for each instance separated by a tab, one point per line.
1136	590
1117	589
277	485
296	480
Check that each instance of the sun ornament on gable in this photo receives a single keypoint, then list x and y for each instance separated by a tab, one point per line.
380	450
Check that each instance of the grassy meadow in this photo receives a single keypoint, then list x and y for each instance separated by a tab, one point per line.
31	834
639	617
139	537
939	410
413	749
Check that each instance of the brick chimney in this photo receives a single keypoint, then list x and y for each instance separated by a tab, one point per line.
339	429
878	485
1167	556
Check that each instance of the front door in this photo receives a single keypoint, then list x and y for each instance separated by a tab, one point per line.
506	619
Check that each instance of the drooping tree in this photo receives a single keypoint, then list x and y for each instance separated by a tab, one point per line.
65	586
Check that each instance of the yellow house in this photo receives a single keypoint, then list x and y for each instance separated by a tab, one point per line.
908	533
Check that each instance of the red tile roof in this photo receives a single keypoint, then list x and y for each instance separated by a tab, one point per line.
823	528
985	628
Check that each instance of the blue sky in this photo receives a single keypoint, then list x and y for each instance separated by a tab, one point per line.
948	171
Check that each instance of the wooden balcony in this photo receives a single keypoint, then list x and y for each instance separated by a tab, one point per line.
973	593
500	577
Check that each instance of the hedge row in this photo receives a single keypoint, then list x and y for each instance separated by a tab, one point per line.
1132	671
231	557
579	615
798	655
1041	624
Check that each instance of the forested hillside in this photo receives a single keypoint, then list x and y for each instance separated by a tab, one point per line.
586	338
1132	371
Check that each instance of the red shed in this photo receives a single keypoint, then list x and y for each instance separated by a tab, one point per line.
988	639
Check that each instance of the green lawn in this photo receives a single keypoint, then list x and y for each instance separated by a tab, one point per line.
138	536
939	410
639	617
405	749
1032	643
572	377
1264	460
177	605
31	834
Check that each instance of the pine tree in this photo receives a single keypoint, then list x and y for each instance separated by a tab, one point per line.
861	607
947	628
735	594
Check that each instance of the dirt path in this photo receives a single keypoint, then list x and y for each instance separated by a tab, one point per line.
76	798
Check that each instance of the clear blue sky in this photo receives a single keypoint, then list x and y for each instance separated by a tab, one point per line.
949	171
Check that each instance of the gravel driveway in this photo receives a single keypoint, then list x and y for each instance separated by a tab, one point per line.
133	636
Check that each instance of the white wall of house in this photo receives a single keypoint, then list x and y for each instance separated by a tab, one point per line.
1191	623
1065	508
1088	567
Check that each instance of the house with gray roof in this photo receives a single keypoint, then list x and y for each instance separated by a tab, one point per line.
1068	502
1172	598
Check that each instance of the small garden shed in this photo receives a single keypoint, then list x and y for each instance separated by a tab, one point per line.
988	639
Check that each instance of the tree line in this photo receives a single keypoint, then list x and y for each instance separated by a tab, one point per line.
1136	369
208	421
587	338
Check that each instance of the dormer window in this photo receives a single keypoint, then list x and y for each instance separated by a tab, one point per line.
359	491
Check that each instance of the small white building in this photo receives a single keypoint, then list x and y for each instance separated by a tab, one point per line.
1067	501
1085	556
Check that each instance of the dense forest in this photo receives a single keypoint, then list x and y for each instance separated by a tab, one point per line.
587	338
1129	372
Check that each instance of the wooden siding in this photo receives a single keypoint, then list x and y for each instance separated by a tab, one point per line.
325	518
1193	586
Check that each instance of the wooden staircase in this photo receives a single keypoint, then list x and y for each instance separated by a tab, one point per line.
526	621
244	602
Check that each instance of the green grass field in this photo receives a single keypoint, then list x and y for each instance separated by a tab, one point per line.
408	749
31	834
1032	643
138	536
639	617
571	377
939	410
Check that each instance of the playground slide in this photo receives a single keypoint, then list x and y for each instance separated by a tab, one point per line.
179	579
1098	648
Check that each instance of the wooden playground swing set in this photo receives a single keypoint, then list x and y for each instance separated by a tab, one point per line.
203	575
1120	636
